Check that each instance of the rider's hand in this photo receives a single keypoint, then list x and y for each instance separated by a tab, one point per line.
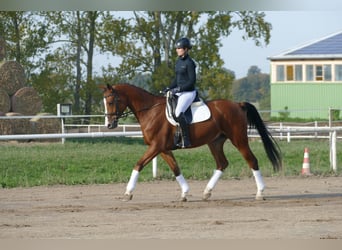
175	90
164	91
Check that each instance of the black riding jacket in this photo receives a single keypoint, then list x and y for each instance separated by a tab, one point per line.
185	74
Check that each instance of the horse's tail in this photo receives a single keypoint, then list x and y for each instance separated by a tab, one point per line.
271	147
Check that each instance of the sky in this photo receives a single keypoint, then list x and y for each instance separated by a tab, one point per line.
289	30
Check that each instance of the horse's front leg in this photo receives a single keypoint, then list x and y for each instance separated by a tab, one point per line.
128	195
171	161
144	160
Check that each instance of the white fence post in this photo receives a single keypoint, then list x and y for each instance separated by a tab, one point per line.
288	135
63	130
333	158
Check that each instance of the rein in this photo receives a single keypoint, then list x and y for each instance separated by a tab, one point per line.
125	114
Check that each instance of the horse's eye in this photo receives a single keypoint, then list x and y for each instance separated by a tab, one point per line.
110	103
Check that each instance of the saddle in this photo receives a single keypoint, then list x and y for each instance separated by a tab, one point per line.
197	112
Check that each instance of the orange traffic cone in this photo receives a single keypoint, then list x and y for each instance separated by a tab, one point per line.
306	163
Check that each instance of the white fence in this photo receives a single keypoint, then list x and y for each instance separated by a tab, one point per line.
280	131
300	132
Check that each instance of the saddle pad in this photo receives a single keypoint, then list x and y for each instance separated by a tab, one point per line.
200	112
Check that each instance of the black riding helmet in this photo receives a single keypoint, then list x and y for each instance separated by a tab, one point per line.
183	43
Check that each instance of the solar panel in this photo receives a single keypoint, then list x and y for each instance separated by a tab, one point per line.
328	46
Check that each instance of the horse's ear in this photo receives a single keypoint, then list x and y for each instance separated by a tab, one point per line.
102	87
109	87
105	87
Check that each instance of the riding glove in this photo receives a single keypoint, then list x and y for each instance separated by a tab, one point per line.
175	90
164	91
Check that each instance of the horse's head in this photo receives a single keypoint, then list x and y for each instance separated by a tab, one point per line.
113	105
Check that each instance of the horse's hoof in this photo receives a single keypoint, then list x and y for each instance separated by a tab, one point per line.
183	199
206	196
127	197
259	196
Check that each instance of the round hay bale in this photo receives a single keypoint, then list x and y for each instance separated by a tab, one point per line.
26	101
41	125
5	101
5	125
20	125
12	76
2	48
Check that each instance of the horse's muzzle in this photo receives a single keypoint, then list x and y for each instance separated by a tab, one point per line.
112	125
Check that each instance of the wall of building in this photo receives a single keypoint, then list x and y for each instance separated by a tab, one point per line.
306	100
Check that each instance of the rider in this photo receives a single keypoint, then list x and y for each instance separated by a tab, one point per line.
183	86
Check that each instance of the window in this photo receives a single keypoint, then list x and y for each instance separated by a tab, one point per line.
319	72
338	72
280	73
298	72
313	72
289	72
309	73
327	72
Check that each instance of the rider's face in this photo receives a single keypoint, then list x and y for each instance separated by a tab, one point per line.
180	52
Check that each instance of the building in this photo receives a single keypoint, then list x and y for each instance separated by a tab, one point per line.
307	80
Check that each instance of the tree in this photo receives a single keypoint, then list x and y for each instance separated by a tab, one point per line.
149	38
217	84
26	38
59	46
77	33
253	70
90	19
255	87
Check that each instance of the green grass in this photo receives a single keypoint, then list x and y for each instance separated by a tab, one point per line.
86	161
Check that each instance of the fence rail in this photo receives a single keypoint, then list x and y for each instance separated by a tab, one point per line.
281	131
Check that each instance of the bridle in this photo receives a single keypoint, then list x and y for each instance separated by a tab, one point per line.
123	114
116	103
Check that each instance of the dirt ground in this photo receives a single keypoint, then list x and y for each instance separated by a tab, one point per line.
295	208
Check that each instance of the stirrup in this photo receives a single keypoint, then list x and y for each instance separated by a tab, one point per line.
186	146
182	143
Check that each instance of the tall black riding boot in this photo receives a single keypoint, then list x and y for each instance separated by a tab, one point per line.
185	130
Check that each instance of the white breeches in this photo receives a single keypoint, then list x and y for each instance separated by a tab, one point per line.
184	101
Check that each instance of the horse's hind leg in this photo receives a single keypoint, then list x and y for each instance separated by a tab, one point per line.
260	184
216	149
171	161
252	161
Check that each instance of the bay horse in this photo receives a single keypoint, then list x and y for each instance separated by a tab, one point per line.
229	120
